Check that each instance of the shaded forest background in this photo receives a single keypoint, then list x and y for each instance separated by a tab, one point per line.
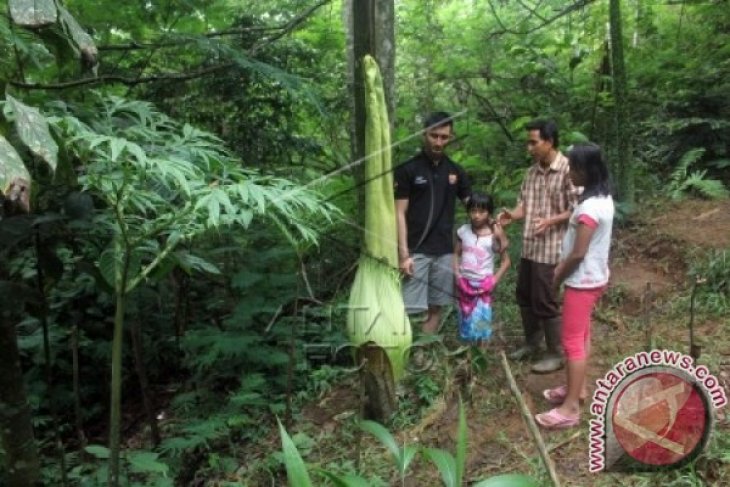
191	195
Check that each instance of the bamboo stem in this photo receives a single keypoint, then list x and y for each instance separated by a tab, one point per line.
527	416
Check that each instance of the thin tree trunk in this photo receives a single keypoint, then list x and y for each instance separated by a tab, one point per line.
40	283
116	393
16	429
623	163
77	387
144	383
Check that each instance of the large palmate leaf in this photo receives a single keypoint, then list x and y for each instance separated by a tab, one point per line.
11	166
33	130
33	13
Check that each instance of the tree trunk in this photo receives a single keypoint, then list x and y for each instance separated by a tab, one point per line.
144	383
622	166
115	419
77	386
16	429
370	29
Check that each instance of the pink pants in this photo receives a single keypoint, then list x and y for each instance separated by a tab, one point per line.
578	305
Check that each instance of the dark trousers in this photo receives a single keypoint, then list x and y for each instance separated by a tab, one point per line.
538	303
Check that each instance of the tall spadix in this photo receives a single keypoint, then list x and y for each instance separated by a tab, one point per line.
376	311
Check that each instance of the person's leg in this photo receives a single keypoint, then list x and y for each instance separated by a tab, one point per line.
433	320
530	326
415	287
547	309
577	308
440	290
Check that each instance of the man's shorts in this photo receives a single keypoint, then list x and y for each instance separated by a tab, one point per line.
432	283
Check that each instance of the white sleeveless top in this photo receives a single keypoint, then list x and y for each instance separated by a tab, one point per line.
477	256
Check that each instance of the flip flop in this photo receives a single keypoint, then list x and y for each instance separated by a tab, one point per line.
556	395
554	420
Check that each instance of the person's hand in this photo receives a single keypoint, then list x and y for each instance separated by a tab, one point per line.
541	225
488	285
504	217
406	266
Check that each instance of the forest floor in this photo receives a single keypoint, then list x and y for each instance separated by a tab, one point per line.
659	249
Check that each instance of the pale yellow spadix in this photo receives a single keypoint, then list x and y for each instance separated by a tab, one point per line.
376	312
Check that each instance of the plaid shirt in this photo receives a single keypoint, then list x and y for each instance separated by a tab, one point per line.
545	194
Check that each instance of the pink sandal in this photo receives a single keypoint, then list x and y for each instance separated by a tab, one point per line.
556	396
554	419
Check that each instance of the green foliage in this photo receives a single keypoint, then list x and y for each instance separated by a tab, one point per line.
508	480
295	469
451	469
713	274
683	182
402	456
224	116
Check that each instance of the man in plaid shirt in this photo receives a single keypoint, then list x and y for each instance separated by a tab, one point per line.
545	202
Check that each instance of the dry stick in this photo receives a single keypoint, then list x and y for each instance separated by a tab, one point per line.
694	349
549	465
565	441
647	318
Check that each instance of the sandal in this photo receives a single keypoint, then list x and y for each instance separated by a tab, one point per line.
556	396
554	419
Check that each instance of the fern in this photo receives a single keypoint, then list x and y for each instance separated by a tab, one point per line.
708	188
682	181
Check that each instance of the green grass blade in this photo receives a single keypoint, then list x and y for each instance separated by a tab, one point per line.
406	458
461	439
445	463
296	471
344	480
382	434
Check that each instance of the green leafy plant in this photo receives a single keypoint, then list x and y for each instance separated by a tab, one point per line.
296	471
165	184
682	181
451	468
402	455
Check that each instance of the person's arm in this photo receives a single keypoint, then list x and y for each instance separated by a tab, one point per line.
504	260
464	188
542	224
405	262
457	258
505	217
567	266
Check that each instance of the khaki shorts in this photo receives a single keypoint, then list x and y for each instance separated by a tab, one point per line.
432	283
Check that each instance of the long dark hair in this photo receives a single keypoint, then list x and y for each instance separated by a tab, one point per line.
587	159
480	201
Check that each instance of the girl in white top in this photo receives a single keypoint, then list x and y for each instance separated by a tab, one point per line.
583	267
476	246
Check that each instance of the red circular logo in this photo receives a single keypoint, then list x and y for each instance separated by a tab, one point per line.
660	418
